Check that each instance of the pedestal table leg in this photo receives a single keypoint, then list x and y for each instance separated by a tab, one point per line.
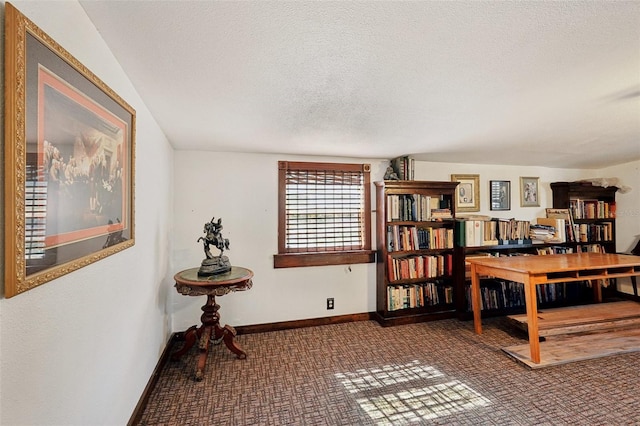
211	330
228	334
190	337
210	319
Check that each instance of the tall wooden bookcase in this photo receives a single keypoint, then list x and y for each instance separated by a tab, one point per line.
415	251
593	209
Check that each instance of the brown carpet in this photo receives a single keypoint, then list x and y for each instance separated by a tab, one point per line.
435	373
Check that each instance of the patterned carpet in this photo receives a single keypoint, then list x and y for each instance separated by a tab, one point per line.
435	373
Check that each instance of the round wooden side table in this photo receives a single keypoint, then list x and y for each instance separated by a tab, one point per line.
189	283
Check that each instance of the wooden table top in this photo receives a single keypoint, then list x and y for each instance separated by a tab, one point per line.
558	262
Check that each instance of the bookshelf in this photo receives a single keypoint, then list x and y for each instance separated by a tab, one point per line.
512	238
503	297
403	167
415	236
593	209
592	217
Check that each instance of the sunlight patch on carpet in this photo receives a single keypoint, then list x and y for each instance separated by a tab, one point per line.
412	404
363	380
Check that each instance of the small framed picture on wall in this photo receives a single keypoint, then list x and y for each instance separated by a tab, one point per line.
467	193
500	193
529	192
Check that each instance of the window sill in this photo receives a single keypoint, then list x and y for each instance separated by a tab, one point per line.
293	260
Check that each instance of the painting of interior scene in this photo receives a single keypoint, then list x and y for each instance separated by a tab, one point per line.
80	157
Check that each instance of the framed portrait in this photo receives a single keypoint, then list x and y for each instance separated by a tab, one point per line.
467	192
500	194
69	161
529	192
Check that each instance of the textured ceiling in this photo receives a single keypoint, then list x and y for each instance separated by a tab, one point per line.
526	83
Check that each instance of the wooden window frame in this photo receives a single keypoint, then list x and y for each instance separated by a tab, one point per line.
287	258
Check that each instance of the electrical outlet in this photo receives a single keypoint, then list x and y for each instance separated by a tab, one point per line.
330	303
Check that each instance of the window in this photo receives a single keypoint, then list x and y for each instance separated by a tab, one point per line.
323	214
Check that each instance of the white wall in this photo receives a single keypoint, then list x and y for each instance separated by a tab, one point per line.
242	189
79	350
443	171
627	204
627	210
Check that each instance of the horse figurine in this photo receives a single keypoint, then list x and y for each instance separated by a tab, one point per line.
213	231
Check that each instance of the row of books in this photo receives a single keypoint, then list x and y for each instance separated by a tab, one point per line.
583	248
542	251
404	167
563	292
490	232
551	230
591	248
513	229
407	237
594	232
413	267
417	207
488	254
418	296
548	230
562	221
592	209
500	294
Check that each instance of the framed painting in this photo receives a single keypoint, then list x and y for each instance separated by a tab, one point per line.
529	194
500	194
467	193
69	161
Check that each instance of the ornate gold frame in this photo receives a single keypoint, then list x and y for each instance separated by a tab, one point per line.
18	279
465	181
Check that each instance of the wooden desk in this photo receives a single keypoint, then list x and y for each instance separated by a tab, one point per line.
535	270
190	284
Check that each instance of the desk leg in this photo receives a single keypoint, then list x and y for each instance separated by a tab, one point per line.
475	300
532	319
597	290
